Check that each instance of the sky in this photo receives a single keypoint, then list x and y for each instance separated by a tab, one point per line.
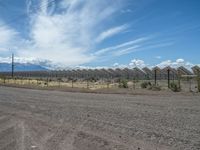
96	33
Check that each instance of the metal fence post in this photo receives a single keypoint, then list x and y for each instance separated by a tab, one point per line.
72	83
87	84
155	76
168	76
198	80
179	80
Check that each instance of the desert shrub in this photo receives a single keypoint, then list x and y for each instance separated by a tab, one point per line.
73	79
135	80
60	80
92	79
145	85
174	87
123	84
3	78
155	87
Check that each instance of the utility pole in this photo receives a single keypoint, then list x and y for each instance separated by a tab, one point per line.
198	79
155	73
12	65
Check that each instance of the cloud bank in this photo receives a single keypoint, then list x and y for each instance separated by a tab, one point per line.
69	33
141	64
64	31
8	36
111	32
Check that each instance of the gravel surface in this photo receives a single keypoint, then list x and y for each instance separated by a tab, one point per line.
52	120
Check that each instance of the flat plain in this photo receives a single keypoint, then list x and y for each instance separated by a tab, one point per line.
54	120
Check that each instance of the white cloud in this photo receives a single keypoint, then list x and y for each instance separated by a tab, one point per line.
140	44
67	37
134	63
139	47
137	63
158	57
66	3
8	36
111	32
141	64
180	61
126	50
16	59
127	11
21	60
115	64
123	45
44	7
175	64
31	60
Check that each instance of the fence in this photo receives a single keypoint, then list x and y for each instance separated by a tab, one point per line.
185	84
107	78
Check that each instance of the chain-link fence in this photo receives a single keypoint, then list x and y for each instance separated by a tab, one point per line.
187	84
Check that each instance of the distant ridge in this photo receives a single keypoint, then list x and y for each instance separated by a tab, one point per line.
6	67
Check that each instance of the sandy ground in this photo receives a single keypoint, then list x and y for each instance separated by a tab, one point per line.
52	120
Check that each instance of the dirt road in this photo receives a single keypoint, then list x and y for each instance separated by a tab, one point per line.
52	120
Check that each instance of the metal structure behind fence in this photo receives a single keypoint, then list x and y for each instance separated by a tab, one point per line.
166	75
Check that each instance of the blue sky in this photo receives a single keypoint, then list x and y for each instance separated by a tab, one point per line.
101	33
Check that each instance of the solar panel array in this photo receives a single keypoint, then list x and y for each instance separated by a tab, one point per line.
127	73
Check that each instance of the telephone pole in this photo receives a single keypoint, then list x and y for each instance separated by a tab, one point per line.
12	65
155	76
168	77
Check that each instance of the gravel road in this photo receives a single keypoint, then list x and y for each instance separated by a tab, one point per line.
53	120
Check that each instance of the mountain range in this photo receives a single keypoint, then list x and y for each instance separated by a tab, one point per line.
6	67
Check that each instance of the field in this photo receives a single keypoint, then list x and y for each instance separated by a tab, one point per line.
52	120
186	85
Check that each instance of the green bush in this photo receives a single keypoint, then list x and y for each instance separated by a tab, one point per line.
145	85
155	87
50	80
92	79
174	87
123	84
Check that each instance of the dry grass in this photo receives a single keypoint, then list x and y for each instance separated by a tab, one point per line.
185	85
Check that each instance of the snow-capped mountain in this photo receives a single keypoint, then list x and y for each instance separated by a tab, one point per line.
6	67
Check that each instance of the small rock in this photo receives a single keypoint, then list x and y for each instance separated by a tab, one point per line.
33	146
